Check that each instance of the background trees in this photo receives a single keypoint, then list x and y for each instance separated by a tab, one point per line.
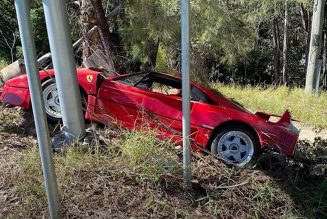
247	42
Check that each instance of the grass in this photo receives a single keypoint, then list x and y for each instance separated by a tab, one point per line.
122	174
307	108
125	179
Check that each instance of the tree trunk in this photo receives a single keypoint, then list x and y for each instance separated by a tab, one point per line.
87	21
307	48
152	52
324	75
104	32
285	46
306	24
315	46
304	17
275	34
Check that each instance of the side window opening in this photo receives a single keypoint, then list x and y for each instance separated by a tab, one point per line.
163	85
198	96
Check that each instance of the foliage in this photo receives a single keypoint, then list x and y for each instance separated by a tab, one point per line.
8	27
3	63
161	65
230	40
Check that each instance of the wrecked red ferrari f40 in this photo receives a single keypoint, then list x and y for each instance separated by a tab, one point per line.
154	100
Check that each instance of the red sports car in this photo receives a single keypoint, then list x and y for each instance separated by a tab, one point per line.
152	99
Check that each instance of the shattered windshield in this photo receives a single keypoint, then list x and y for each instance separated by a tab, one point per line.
131	79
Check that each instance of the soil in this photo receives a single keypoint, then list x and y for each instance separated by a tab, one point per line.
309	132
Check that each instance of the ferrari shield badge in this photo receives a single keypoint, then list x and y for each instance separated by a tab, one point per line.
89	78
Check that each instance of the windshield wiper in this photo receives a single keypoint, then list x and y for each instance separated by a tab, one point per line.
139	81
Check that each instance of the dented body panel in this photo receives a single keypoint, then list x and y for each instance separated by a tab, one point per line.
114	99
16	91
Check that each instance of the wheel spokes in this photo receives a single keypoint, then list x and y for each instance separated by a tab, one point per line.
54	93
52	101
228	143
237	140
243	148
237	157
57	109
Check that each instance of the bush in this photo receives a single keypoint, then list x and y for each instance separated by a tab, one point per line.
3	63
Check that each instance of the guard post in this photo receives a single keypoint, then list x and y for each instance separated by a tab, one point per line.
65	69
41	125
185	28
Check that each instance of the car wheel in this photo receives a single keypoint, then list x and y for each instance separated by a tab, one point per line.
51	101
236	145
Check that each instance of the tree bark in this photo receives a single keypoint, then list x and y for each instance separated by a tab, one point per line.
276	45
313	69
306	24
152	52
87	21
324	75
304	17
104	32
285	46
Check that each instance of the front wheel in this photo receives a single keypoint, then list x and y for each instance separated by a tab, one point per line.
235	145
51	101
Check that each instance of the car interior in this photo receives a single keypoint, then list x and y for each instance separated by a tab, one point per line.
163	84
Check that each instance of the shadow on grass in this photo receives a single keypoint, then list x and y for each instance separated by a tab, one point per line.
303	178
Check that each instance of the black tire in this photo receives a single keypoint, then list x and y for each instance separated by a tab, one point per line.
248	141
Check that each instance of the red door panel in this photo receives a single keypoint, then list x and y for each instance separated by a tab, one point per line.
138	108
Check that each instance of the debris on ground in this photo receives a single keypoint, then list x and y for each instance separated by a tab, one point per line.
121	175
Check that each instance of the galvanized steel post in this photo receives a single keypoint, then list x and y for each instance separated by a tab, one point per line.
62	56
41	125
185	28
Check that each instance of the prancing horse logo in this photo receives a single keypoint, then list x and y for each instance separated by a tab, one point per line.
89	78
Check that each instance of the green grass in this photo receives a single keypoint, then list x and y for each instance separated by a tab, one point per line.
307	108
124	174
124	177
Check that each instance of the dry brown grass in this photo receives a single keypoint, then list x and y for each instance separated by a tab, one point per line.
121	177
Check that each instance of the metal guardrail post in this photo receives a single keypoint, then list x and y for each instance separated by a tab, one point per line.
185	28
28	44
62	56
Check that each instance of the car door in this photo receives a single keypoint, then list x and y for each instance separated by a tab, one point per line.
165	106
141	107
118	102
127	100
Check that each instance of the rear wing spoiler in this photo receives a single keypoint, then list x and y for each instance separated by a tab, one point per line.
285	119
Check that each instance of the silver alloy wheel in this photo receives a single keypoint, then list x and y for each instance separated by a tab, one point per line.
51	101
236	148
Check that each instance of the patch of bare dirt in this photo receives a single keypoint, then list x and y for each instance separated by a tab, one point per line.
8	175
309	132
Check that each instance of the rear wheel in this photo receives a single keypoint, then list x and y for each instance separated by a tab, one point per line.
236	145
